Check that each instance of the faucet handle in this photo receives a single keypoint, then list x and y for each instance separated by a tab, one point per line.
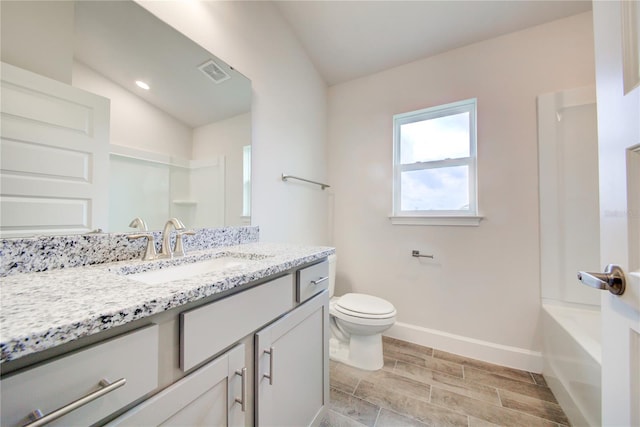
179	225
138	222
179	250
150	250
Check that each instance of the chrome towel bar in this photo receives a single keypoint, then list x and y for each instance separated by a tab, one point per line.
286	177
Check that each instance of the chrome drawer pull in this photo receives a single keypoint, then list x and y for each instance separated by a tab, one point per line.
106	387
243	373
320	280
270	374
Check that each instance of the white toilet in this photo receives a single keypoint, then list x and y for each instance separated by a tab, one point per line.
357	323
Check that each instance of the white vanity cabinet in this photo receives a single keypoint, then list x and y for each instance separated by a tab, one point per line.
213	395
257	356
292	358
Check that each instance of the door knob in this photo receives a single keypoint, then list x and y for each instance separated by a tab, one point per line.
612	279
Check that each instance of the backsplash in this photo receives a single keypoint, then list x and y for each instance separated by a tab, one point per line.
42	253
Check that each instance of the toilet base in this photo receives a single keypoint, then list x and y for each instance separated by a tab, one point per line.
362	351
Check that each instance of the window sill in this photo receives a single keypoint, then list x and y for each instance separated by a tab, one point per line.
465	221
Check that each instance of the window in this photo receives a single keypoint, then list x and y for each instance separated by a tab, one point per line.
435	165
246	181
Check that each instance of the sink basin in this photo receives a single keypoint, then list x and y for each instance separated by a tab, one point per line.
186	271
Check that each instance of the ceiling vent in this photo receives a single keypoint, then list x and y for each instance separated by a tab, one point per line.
214	72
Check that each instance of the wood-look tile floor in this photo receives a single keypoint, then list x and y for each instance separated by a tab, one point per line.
420	386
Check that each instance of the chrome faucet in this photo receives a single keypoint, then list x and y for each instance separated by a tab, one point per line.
138	222
175	223
150	251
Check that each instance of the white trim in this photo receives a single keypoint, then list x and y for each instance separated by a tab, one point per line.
513	357
466	221
160	158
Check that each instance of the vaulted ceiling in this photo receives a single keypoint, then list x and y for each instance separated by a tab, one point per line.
350	39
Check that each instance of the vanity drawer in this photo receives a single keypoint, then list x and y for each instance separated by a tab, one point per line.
207	330
54	385
312	280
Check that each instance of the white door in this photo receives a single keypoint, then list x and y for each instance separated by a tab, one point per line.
619	168
54	162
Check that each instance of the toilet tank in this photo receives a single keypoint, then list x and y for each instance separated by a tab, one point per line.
332	274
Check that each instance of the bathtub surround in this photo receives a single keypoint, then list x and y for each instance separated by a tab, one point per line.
569	242
573	360
45	253
480	296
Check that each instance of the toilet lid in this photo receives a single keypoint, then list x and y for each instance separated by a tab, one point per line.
361	304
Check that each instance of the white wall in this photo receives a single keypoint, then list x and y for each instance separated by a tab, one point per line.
481	294
288	110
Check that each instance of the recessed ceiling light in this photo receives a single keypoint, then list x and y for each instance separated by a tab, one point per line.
142	85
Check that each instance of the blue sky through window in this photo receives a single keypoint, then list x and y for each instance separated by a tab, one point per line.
435	139
435	189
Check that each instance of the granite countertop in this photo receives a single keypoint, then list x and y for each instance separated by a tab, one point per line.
41	310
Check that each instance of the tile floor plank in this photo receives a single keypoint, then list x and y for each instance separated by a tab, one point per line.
419	386
343	377
334	419
397	401
477	422
514	374
539	379
389	418
492	413
357	409
407	347
500	382
539	408
448	382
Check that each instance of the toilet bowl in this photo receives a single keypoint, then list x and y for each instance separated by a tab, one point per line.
357	322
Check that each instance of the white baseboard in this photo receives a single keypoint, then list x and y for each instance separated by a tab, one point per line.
486	351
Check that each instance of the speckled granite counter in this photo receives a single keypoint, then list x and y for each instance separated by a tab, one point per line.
41	310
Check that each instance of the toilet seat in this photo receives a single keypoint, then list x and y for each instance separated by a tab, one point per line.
364	306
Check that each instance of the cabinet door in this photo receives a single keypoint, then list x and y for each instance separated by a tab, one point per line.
213	395
292	366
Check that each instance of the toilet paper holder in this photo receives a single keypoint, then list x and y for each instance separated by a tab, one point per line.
417	254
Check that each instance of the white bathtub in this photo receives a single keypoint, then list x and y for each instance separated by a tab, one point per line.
572	360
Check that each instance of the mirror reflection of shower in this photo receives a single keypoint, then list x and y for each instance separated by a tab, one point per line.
569	202
160	189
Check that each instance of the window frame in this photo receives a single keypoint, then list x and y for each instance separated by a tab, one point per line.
437	217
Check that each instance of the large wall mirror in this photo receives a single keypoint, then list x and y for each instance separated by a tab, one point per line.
180	148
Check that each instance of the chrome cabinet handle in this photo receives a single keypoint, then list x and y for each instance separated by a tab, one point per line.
242	401
612	279
320	280
37	419
270	374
